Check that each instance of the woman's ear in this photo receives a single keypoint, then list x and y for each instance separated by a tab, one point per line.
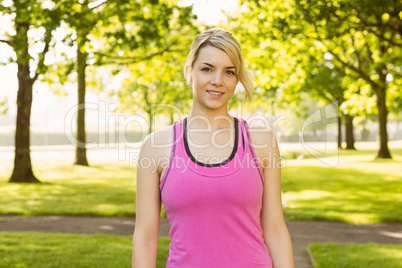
187	74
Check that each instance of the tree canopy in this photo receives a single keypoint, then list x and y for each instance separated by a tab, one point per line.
356	44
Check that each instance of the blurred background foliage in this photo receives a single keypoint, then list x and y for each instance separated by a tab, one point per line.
303	55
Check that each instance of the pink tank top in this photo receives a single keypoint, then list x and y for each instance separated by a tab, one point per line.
214	209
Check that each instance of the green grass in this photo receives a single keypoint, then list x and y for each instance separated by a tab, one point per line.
45	250
360	190
334	255
101	189
357	196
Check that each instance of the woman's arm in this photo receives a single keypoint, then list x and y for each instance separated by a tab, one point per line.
275	232
148	208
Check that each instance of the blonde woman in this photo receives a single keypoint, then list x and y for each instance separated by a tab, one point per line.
218	179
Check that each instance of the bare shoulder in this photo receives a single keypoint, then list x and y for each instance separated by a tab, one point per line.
265	145
262	136
156	147
157	141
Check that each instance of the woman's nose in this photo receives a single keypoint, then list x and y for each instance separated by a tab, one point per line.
216	80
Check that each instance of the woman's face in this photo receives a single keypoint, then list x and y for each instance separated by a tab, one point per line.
214	78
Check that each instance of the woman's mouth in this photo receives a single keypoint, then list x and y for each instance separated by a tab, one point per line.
215	93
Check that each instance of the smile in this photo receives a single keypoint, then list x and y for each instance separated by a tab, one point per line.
215	93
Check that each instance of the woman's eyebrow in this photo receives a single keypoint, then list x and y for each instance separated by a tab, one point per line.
206	63
210	65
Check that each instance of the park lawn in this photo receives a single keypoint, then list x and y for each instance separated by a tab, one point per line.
359	190
335	255
45	250
100	189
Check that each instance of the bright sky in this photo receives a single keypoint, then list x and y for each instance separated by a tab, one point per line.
210	11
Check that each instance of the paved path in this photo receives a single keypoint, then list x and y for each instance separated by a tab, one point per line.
302	232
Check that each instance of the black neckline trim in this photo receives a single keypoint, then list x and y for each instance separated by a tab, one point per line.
232	155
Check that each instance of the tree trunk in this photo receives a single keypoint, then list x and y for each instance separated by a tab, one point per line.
81	151
273	107
383	151
150	110
171	116
350	137
151	120
339	132
22	171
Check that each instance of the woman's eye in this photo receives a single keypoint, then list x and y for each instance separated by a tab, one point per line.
230	72
206	69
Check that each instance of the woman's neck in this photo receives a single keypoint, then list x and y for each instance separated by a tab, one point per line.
212	121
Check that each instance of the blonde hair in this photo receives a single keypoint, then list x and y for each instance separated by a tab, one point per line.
227	42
